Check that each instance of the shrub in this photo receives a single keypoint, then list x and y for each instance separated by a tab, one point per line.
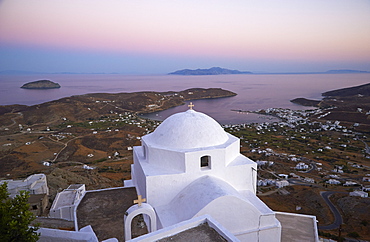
15	217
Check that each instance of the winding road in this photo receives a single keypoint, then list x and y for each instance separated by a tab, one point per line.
337	216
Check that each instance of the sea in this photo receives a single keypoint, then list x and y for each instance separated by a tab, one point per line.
254	91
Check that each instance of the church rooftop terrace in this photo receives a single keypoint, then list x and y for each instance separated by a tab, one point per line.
202	232
297	227
104	211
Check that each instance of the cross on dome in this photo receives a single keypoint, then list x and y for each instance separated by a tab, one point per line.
139	200
191	105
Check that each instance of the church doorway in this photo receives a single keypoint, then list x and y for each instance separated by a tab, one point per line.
138	226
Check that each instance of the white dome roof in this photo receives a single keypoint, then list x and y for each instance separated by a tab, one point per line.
187	130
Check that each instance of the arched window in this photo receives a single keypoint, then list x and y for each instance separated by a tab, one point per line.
205	161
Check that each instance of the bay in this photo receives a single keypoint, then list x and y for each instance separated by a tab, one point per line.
254	91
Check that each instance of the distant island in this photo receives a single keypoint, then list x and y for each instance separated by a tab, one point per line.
210	71
41	84
344	71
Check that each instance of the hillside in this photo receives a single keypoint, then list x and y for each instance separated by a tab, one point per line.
77	130
350	106
350	91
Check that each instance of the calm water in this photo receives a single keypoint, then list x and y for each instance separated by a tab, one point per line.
254	91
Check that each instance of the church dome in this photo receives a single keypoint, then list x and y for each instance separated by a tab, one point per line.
187	130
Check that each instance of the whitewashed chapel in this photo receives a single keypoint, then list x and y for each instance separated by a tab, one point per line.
189	166
190	171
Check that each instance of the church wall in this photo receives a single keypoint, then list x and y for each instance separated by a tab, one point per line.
238	176
137	174
272	234
170	160
162	189
242	177
192	160
231	152
140	182
149	183
243	219
266	235
248	237
269	218
234	214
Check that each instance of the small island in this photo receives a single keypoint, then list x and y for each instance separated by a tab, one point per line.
41	84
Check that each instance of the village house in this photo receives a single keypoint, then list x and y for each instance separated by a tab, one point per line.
282	183
333	182
366	179
359	194
301	166
37	187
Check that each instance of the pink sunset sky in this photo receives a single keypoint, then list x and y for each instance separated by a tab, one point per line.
154	37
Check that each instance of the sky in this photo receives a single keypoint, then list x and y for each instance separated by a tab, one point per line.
161	36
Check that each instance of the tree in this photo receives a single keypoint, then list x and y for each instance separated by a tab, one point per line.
15	217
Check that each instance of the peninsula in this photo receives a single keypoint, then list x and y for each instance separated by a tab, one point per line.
347	105
210	71
41	84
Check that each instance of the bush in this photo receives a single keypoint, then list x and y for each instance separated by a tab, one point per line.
15	217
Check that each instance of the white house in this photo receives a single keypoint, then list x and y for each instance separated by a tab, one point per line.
333	182
359	194
301	166
282	183
284	176
308	179
366	179
350	183
366	188
34	184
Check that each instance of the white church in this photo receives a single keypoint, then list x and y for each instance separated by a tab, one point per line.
189	171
